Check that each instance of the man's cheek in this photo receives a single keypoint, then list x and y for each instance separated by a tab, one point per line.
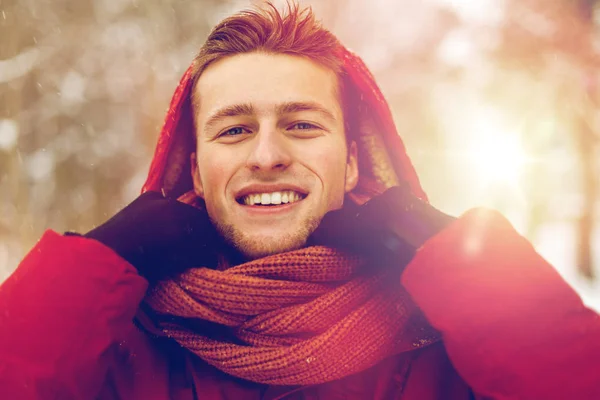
217	166
213	174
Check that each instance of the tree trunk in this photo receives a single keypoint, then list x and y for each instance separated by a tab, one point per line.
586	142
586	145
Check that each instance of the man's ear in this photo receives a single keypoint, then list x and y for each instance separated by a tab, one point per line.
351	167
198	188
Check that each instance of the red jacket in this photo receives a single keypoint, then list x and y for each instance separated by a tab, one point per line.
512	329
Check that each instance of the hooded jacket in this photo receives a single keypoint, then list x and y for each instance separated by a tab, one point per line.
511	327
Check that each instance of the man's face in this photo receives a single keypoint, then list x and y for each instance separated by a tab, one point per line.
271	157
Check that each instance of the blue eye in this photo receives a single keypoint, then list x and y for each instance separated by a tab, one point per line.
303	126
238	130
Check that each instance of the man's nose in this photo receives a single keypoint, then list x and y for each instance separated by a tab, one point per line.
269	151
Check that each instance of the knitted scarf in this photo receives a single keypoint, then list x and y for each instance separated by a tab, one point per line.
298	318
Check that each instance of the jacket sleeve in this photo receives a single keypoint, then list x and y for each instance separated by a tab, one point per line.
68	301
512	327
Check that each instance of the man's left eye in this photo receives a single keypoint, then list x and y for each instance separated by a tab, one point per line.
303	126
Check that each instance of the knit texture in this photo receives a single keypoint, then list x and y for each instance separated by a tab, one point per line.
298	318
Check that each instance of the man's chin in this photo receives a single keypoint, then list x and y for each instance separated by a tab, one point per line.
256	244
258	247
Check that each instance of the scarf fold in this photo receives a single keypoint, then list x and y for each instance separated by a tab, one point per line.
299	318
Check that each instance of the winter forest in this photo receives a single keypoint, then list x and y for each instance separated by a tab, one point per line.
496	101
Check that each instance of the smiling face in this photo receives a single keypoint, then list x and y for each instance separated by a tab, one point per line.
271	157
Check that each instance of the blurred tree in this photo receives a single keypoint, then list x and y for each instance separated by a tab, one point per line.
555	43
83	91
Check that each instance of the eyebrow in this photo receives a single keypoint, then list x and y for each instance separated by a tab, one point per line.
229	111
282	109
298	106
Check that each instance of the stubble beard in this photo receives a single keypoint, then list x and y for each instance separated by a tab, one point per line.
253	247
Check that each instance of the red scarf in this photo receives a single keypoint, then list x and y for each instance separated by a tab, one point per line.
299	318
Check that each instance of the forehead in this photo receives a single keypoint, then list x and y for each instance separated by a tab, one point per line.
265	80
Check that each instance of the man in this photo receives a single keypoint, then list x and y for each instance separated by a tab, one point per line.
277	235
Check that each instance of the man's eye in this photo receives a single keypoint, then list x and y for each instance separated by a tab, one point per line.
238	130
303	126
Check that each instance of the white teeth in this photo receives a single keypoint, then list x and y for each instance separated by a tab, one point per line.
265	199
288	196
276	198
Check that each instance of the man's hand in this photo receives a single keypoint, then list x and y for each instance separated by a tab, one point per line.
388	228
160	237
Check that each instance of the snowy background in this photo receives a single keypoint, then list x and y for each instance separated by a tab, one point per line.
496	100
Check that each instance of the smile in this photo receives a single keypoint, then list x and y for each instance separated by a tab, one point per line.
271	198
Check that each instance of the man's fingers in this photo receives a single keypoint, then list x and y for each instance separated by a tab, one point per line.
189	198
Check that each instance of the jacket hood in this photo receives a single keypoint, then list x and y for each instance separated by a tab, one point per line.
383	161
